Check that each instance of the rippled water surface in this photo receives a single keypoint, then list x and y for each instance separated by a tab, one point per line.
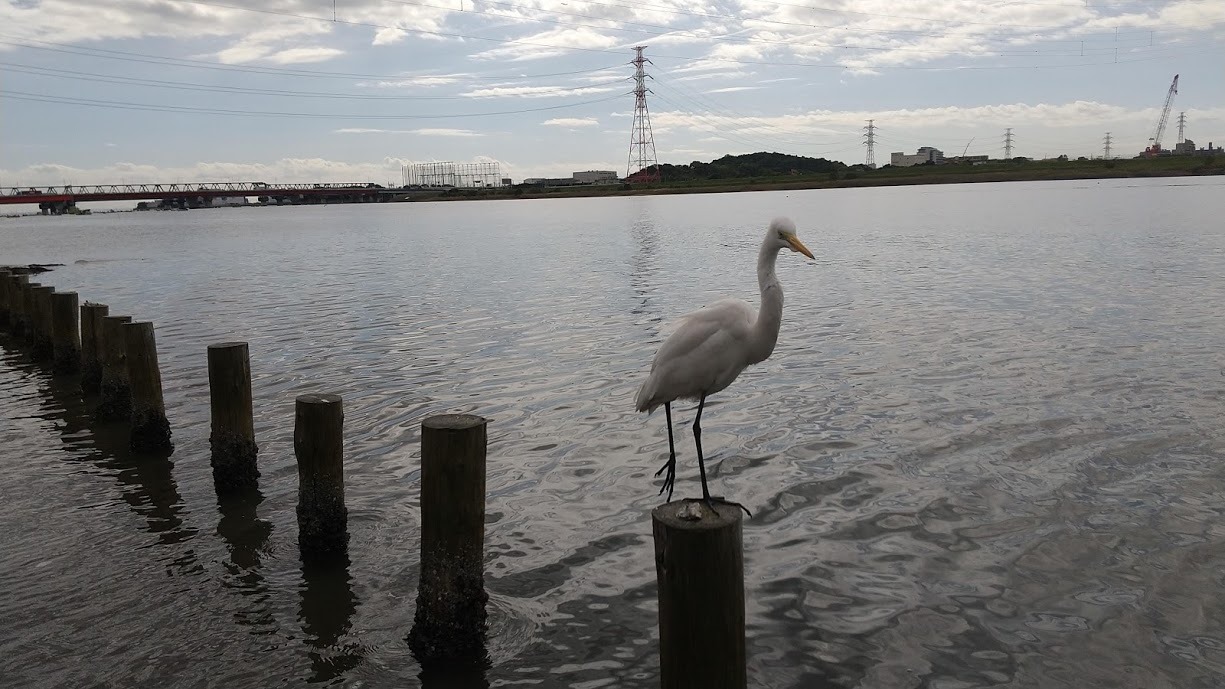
987	452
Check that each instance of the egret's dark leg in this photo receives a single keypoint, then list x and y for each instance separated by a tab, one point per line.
697	441
670	466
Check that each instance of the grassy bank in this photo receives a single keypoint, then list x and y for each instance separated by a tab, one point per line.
1015	171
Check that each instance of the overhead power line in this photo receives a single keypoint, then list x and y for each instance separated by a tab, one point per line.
257	69
187	86
155	107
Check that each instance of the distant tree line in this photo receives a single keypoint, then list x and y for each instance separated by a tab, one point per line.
750	165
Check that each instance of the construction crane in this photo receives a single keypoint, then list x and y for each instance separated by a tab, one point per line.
1155	147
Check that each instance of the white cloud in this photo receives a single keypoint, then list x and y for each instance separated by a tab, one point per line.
420	132
549	43
533	91
572	122
304	55
734	89
283	170
424	80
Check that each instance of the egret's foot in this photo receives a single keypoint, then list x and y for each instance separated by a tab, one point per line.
712	500
669	479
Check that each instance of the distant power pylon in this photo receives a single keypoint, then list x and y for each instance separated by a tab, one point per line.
1182	125
1106	152
642	139
870	142
1008	144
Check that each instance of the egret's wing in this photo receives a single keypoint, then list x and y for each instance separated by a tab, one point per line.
728	320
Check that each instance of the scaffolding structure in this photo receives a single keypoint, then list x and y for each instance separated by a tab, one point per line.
448	174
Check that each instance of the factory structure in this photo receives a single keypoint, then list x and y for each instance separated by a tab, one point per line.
449	175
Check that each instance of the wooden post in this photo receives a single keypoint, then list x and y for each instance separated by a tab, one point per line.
233	426
699	565
116	400
65	335
449	625
27	301
150	429
91	345
5	307
318	443
19	285
43	347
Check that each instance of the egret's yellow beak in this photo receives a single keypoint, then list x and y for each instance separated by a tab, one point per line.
797	245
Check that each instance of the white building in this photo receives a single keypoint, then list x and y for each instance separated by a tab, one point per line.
218	201
925	154
595	177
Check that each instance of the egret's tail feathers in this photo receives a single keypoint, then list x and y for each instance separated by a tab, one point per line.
643	401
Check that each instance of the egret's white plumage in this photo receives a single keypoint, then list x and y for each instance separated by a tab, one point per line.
712	345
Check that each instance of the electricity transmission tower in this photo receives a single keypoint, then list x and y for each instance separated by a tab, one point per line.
1182	125
870	142
1008	144
642	156
1106	152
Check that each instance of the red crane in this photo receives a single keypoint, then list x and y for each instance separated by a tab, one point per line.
1155	147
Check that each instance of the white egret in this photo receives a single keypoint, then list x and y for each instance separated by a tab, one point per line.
712	345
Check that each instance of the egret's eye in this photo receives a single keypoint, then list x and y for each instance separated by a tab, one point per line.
782	235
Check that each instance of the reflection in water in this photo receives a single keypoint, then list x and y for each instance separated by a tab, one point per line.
147	481
246	537
326	612
457	678
644	266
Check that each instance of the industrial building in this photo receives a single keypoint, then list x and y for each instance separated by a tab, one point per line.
575	179
925	154
595	177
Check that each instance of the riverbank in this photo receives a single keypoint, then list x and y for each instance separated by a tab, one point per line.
1014	171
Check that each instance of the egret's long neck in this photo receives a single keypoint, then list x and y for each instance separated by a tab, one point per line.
770	315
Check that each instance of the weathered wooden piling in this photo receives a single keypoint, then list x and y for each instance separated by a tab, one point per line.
318	443
116	400
18	284
150	429
42	345
449	625
5	307
65	333
699	565
233	426
91	345
27	304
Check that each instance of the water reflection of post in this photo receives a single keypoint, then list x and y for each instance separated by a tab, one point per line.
326	614
246	536
457	678
644	266
149	486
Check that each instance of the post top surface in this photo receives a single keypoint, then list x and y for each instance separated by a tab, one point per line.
680	515
40	286
65	294
93	305
119	319
319	398
139	324
227	345
453	422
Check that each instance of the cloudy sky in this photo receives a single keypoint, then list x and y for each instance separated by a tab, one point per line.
117	91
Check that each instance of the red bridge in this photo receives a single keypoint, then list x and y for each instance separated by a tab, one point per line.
58	199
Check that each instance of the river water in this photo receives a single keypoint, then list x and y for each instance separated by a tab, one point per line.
987	451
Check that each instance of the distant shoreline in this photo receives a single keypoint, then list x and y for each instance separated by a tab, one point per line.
871	178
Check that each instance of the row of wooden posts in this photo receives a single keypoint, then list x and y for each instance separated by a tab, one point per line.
698	551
